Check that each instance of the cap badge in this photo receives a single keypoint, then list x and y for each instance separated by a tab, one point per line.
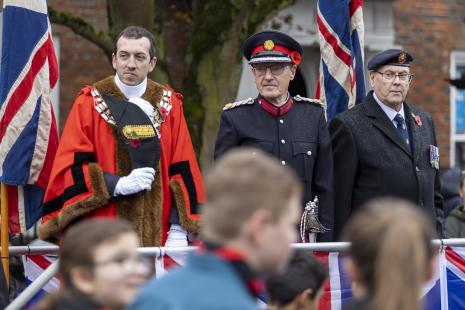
268	45
402	58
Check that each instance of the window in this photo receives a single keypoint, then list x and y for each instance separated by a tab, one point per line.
457	111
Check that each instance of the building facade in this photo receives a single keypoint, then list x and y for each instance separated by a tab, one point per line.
432	30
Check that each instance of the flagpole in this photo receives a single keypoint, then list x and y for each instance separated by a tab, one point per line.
4	234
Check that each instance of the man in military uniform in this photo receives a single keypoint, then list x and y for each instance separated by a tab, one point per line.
293	129
384	146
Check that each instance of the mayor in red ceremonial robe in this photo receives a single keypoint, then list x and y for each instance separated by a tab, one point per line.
126	152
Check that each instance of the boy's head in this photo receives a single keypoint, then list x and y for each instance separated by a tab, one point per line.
253	204
300	286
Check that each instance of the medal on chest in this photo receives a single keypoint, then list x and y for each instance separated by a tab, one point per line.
434	156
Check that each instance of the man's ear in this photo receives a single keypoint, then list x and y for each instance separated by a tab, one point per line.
82	280
256	225
113	60
293	71
305	297
371	75
153	63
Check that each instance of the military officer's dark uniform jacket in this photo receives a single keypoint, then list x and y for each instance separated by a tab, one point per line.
371	159
296	133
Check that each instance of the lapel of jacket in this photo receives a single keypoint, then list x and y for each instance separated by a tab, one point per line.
382	122
415	132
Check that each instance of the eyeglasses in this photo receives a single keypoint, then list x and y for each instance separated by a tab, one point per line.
260	70
125	261
390	76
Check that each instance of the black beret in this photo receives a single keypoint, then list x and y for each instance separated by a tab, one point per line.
272	46
394	57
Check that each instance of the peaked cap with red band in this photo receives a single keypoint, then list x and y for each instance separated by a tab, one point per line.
272	46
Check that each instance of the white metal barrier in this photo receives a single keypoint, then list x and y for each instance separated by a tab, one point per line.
51	271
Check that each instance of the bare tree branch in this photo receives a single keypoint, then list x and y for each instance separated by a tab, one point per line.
82	28
263	11
123	13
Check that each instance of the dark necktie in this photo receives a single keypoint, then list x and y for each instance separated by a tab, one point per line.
402	129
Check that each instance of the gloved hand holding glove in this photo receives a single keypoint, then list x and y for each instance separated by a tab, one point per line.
138	180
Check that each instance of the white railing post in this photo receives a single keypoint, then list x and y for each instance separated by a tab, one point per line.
48	274
34	287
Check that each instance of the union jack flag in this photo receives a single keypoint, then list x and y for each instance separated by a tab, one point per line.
341	84
34	265
28	132
337	290
451	279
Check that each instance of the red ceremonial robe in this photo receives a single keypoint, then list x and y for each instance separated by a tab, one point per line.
90	145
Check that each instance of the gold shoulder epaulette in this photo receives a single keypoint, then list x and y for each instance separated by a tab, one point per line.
236	104
299	98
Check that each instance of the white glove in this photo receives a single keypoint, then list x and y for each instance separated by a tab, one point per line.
177	236
138	180
144	105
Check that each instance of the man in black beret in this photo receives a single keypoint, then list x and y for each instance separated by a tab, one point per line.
293	129
384	146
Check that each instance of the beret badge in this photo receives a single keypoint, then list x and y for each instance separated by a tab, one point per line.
402	58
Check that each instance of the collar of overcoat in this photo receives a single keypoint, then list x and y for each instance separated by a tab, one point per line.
381	121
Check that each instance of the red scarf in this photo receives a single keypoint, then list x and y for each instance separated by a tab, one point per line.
235	258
